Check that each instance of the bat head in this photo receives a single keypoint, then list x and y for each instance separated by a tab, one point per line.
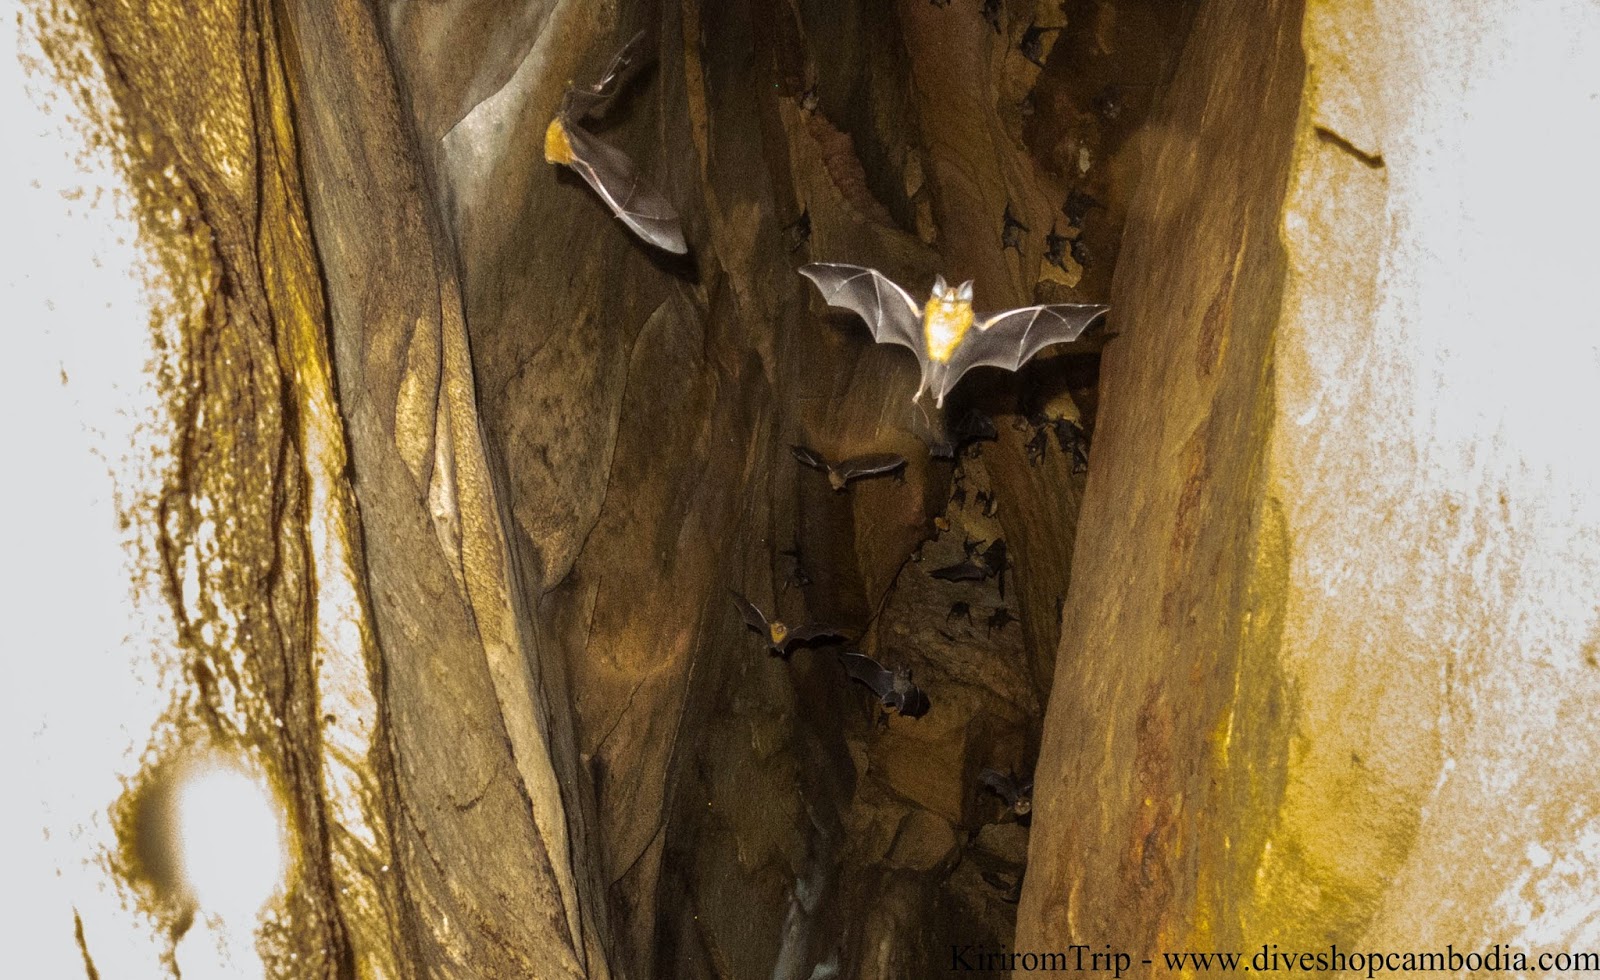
949	295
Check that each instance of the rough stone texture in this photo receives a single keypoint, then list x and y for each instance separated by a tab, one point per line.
1331	636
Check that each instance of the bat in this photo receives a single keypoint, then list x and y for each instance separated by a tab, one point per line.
999	619
1075	442
1018	795
1078	206
1011	891
606	168
893	687
797	577
995	558
798	231
1080	253
854	468
1011	230
966	571
961	609
947	337
1055	248
809	100
971	427
1108	104
1036	446
991	13
1032	43
781	639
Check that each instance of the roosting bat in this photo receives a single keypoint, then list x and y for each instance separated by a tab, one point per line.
1010	890
1000	619
1018	795
971	427
947	337
1055	248
872	464
781	640
1032	43
893	687
606	168
1011	230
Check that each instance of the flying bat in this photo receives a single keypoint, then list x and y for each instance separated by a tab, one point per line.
872	464
893	687
781	639
1017	794
947	337
606	168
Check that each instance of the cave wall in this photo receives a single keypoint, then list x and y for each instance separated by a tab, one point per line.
427	484
1332	621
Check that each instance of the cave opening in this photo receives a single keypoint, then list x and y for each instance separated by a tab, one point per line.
755	816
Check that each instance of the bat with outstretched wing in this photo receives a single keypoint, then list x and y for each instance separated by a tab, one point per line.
872	464
948	338
604	167
1017	794
781	639
893	687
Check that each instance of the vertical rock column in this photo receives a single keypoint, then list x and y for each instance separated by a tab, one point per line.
1331	630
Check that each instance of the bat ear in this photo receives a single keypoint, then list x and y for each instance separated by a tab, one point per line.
965	292
939	287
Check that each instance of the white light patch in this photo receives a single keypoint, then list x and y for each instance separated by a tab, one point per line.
230	840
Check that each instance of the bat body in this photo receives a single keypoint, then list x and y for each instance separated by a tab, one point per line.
872	464
1017	794
604	167
894	688
1010	889
1055	249
1000	619
1011	230
967	571
781	639
1032	43
948	338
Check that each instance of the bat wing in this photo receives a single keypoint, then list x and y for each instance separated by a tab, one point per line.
1002	785
1008	340
889	310
809	457
597	97
612	175
914	703
870	465
866	670
967	571
752	615
813	631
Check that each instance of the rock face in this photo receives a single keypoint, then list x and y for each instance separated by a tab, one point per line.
429	484
1324	639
